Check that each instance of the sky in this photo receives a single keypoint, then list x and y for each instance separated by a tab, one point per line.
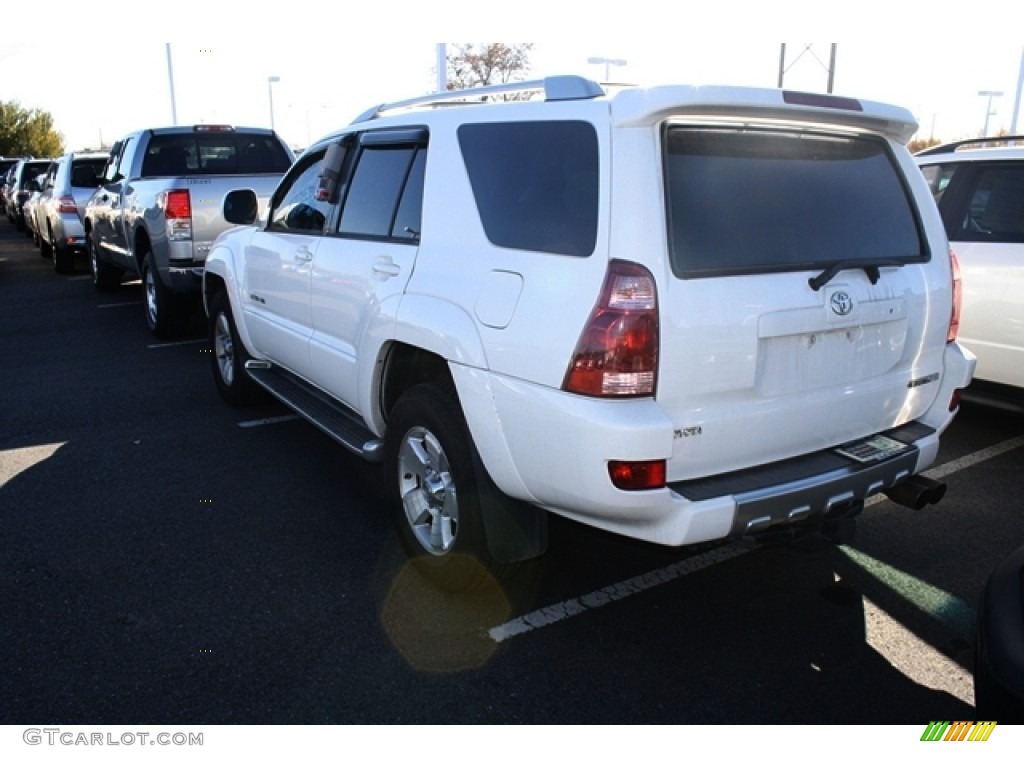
325	81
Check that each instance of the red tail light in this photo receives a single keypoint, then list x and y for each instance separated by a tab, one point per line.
178	213
66	204
617	354
954	318
178	205
637	475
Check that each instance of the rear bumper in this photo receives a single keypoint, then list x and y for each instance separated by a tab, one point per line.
552	450
184	278
817	485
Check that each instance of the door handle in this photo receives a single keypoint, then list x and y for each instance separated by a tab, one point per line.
303	254
385	267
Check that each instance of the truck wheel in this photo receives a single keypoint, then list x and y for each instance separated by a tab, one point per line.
162	310
63	260
104	276
229	356
433	488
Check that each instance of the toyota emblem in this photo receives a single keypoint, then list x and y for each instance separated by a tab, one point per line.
842	304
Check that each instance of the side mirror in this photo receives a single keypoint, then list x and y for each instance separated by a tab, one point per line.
241	207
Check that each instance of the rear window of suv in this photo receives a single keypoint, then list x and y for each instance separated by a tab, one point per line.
216	152
744	201
535	183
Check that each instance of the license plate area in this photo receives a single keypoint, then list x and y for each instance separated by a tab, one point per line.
872	449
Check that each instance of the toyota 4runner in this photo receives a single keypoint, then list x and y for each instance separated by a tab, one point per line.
681	314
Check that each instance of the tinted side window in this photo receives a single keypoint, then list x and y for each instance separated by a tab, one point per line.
375	189
938	178
84	172
296	207
749	201
995	211
535	183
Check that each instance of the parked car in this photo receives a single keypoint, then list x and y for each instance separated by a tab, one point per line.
59	213
679	314
6	164
29	209
999	649
20	188
980	194
157	208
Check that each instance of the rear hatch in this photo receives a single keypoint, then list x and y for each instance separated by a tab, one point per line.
796	307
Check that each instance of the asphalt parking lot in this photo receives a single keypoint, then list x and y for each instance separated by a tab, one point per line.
168	559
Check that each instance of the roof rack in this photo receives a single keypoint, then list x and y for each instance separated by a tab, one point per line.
955	145
557	88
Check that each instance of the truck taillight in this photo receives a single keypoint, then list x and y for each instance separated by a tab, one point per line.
66	204
617	353
178	213
954	318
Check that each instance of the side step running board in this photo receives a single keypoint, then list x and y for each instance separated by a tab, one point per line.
338	421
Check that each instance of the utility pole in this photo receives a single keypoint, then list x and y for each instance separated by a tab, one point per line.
831	68
988	108
442	68
1016	98
170	82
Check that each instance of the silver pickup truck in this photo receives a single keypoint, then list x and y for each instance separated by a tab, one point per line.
157	209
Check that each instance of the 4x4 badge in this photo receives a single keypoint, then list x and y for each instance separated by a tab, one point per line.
842	304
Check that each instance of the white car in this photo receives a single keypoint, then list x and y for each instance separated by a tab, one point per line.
980	193
679	314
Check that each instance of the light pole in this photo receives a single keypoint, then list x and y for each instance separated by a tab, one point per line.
988	107
270	92
608	63
170	83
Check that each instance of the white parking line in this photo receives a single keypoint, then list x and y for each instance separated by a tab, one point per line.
555	613
174	343
264	422
564	610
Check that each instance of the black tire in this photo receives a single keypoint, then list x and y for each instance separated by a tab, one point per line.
432	485
162	307
105	277
63	260
228	356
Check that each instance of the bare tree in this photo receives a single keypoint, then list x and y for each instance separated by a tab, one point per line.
475	64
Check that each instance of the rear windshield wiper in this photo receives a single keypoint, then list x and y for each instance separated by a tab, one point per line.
871	269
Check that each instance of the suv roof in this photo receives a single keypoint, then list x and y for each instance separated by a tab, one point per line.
632	103
965	148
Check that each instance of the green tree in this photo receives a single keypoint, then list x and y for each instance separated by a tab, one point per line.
28	132
475	64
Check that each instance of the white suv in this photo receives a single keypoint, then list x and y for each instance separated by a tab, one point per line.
980	193
680	314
